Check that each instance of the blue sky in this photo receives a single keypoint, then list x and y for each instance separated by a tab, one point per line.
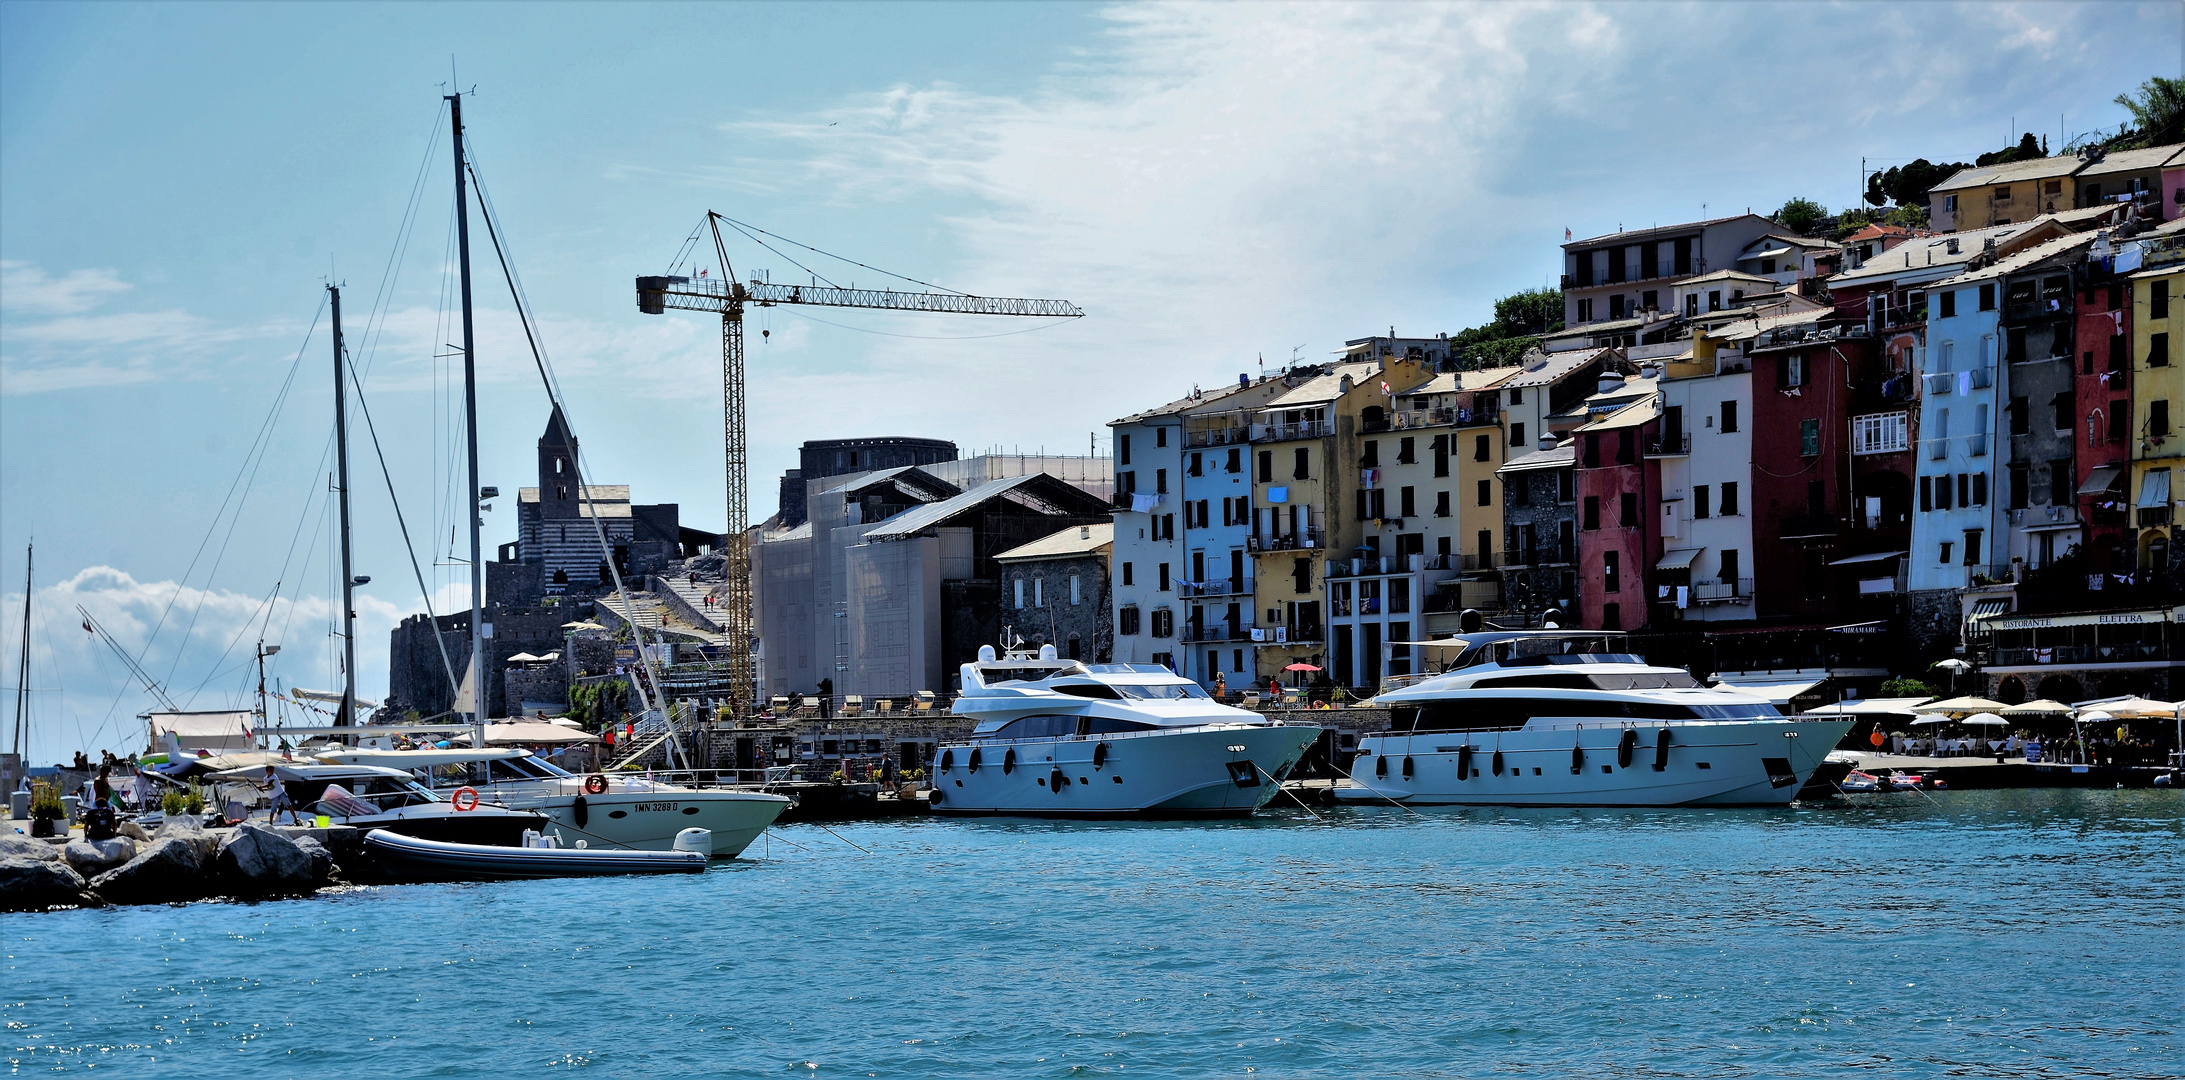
1213	183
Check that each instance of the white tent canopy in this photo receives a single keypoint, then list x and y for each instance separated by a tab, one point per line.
226	729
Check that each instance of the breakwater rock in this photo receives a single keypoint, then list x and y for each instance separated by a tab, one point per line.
182	861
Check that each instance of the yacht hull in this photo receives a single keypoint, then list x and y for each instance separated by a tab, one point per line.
647	820
1226	771
1743	763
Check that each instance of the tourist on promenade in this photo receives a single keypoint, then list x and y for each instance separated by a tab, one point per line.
1221	687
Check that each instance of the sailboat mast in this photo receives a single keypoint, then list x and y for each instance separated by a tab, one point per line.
348	573
22	668
478	680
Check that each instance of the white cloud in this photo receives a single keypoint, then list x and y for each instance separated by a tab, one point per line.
29	289
85	697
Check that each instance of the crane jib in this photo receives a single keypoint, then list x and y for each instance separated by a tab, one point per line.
657	294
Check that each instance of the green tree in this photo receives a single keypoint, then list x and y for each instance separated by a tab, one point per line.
2158	110
1519	320
1908	184
2029	148
1534	311
1800	215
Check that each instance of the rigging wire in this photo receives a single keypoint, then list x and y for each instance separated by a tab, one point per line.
793	262
841	258
408	547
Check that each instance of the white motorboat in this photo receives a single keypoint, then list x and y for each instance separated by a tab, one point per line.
1569	718
1063	739
418	858
604	809
372	798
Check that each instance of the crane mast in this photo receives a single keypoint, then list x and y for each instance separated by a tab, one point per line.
729	297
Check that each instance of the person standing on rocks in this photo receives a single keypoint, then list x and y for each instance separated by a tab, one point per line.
280	799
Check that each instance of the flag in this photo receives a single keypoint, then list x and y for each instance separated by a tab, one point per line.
87	627
1566	236
1384	387
701	273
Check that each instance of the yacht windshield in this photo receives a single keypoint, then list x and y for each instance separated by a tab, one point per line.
1162	691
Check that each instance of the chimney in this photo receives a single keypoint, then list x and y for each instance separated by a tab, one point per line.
1953	248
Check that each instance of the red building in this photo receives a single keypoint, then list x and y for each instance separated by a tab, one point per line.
1832	471
1619	539
2102	332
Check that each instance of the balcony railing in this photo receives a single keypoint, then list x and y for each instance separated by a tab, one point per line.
2153	515
1677	445
1215	587
2081	654
1219	630
1976	445
1739	591
1484	561
1215	437
1308	537
1544	555
1310	429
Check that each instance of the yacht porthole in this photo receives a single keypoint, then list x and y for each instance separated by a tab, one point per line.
618	813
690	809
1043	781
1607	769
1117	779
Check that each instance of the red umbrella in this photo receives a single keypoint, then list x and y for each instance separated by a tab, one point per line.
1301	667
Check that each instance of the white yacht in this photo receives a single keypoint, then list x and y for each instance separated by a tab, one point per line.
1569	718
370	798
603	809
1060	738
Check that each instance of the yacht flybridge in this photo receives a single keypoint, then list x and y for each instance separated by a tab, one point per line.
1570	718
1061	738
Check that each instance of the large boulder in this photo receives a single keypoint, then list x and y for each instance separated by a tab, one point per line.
17	846
192	832
33	884
171	869
256	861
322	860
94	857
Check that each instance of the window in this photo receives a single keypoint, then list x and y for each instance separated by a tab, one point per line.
1486	493
1681	256
1809	438
1945	559
1612	618
1126	620
1729	500
1371	456
1964	489
1714	299
1987	297
1627	446
1972	546
1127	576
1650	300
1585	310
1164	623
1482	448
1589	448
2158	299
1404	503
1020	592
1160	436
1266	466
1077	593
1691	304
1517	433
2019	475
1196	466
1160	479
1164	577
1301	574
1793	372
1404	454
2120	412
1441	455
1881	433
1565	486
1521	495
1729	567
1441	504
1517	395
2059	482
1593	512
1949	206
1700	507
1629	507
1303	468
1942	492
1122	449
1612	571
2158	350
1126	482
1616	306
2158	418
1729	417
1946	304
1039	592
1926	493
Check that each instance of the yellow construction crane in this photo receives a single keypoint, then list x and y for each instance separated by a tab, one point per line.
729	297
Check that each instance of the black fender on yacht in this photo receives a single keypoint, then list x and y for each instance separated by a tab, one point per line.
1100	755
1626	747
1577	758
1009	761
1464	762
1498	763
1661	750
973	764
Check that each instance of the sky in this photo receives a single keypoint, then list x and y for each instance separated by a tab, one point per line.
1216	185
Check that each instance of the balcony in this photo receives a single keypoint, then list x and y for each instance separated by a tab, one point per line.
1216	630
1739	591
1290	634
1371	424
1215	587
1491	560
2080	654
1309	429
1216	437
1671	445
2152	515
1367	567
1976	445
1544	555
1306	539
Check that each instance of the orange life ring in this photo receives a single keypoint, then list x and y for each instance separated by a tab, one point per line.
595	784
465	799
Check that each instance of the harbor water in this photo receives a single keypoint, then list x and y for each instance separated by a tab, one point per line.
1991	933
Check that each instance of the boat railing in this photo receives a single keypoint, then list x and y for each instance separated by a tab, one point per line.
1074	738
1614	725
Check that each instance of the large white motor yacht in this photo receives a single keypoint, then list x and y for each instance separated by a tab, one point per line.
1060	738
624	811
1569	718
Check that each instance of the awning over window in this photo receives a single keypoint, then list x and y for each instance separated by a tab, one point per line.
1680	559
1878	556
2103	478
2154	489
2103	618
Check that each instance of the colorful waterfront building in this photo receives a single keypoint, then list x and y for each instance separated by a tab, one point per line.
2158	390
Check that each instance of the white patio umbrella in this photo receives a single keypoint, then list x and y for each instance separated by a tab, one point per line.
2089	716
1986	719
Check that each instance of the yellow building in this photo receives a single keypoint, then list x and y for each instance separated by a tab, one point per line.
2158	392
1305	453
2016	191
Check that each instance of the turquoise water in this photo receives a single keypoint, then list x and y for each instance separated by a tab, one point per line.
1971	934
